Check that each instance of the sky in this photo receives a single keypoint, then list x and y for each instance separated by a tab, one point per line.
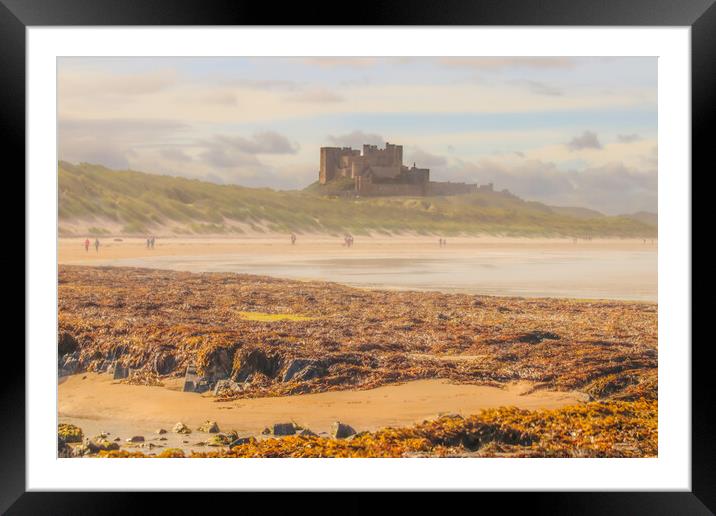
560	130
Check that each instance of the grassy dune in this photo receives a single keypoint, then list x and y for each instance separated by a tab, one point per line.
103	201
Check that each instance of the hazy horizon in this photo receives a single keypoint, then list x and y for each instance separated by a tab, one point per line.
564	131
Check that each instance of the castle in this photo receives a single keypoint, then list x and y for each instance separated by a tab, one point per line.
381	172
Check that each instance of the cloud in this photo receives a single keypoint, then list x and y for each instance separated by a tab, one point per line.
350	62
221	97
263	84
168	147
81	84
112	142
424	159
628	138
498	63
541	88
220	156
124	129
225	151
268	142
587	140
613	188
356	139
174	154
215	165
317	95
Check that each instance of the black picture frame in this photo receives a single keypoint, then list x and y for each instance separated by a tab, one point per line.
700	15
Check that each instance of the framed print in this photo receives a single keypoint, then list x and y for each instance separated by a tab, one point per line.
429	249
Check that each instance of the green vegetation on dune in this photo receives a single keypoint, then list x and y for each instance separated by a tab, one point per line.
580	213
139	202
644	217
339	186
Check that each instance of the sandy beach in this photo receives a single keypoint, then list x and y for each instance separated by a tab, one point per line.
97	404
71	250
595	269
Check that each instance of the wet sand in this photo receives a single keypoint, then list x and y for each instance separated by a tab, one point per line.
96	403
71	250
596	269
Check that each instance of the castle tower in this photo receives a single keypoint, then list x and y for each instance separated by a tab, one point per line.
330	157
394	153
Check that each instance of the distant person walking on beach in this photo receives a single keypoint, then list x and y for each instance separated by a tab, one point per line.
87	243
293	239
147	243
96	245
151	241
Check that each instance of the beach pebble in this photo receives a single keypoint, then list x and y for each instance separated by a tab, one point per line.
341	430
136	439
181	428
81	450
218	440
283	429
242	440
209	426
97	445
160	431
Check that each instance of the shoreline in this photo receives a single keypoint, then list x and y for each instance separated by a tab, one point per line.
597	269
71	250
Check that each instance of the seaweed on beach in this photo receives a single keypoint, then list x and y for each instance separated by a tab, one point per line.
317	336
597	429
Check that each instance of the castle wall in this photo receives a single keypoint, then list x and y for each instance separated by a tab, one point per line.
385	171
416	175
366	187
448	188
